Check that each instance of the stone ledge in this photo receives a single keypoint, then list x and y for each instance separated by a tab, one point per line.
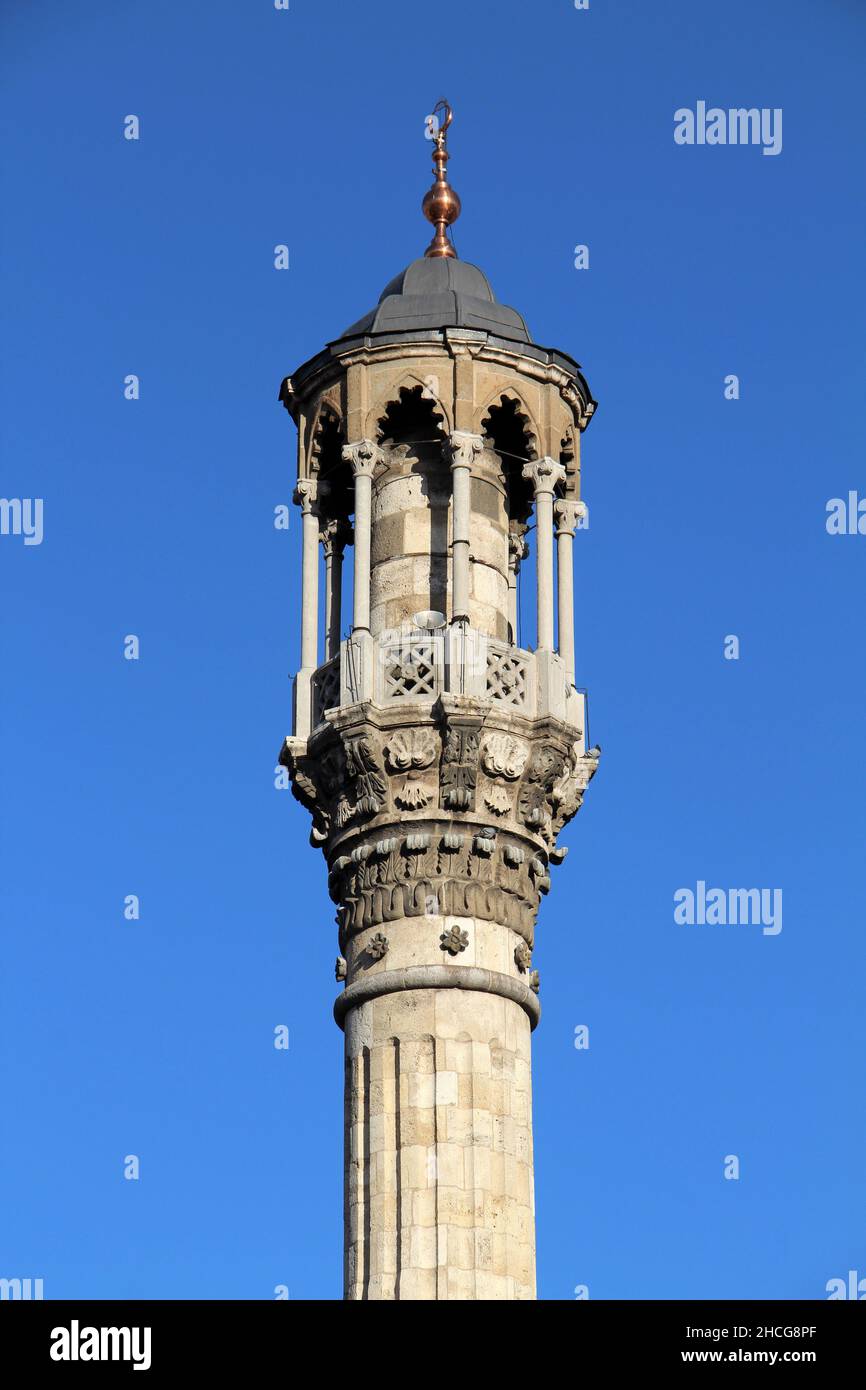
468	977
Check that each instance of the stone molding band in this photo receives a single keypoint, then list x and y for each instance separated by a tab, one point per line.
470	977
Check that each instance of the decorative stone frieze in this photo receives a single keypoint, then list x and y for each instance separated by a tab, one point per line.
394	855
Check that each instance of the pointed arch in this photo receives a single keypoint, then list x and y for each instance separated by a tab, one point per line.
508	429
411	415
507	417
426	387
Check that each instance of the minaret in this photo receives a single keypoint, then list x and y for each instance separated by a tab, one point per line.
439	758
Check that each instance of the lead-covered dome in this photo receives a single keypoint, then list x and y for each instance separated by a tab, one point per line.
440	292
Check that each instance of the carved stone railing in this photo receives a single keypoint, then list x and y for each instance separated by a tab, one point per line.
414	664
410	666
509	676
326	688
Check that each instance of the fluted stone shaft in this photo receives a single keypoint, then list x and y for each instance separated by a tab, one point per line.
439	1186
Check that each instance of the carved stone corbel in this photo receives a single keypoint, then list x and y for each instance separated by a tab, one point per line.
458	770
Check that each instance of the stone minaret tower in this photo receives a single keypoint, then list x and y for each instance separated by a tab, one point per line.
438	756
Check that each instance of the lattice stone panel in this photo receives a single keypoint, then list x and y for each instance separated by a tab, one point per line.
506	675
409	669
326	688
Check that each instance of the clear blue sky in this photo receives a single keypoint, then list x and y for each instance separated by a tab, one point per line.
155	777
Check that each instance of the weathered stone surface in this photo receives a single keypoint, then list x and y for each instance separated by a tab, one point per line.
439	827
439	767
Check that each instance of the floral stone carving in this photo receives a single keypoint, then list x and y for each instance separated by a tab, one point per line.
458	774
454	940
411	752
503	756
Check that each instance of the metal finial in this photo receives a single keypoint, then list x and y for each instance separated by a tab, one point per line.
441	204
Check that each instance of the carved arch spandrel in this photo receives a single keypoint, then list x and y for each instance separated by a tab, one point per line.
436	386
325	438
532	431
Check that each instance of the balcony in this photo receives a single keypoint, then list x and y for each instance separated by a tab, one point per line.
418	665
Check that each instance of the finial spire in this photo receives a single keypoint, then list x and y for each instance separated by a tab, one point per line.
441	204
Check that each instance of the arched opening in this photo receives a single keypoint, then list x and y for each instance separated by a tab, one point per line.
508	431
411	504
326	461
412	420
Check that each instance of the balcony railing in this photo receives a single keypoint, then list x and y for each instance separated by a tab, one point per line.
418	665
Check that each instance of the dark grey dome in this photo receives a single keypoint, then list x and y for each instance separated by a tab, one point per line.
440	292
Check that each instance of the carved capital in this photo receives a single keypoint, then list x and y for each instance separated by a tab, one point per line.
545	474
372	785
335	534
463	448
567	514
364	457
307	494
517	547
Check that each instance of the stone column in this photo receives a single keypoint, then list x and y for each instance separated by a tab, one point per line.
306	497
464	449
567	515
437	876
439	1199
517	551
363	457
334	536
544	474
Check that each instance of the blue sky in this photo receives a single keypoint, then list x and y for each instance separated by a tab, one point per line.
155	777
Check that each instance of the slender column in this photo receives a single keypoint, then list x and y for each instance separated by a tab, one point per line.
306	497
363	456
567	515
545	474
306	494
464	450
517	551
334	535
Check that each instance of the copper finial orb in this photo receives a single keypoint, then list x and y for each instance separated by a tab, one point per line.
441	204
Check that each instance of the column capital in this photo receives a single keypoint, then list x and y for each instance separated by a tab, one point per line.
517	547
567	514
463	448
364	456
335	533
544	474
307	494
